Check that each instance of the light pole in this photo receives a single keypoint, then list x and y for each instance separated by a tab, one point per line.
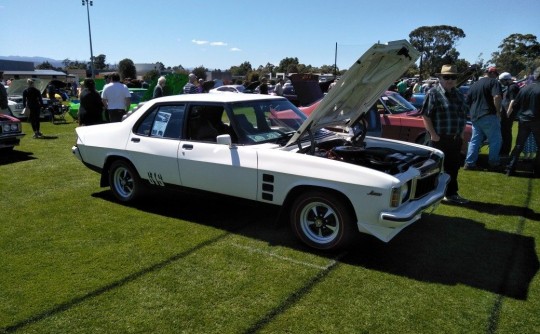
86	2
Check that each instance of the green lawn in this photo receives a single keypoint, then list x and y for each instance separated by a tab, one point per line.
72	260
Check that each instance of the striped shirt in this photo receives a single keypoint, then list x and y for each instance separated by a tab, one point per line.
447	110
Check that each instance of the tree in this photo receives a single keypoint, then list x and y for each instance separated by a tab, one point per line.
151	75
517	54
126	69
241	70
327	69
99	62
436	46
45	66
200	72
160	67
180	70
288	65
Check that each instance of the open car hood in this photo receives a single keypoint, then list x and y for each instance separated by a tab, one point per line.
361	86
17	87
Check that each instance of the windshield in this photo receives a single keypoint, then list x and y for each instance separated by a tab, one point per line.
137	95
265	121
396	104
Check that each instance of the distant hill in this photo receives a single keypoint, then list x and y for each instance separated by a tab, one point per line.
35	60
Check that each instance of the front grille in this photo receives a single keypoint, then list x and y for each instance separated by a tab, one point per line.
430	170
426	185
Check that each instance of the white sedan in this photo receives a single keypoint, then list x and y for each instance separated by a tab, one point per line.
262	148
228	89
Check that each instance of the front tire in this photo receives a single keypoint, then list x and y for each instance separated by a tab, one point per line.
322	221
124	181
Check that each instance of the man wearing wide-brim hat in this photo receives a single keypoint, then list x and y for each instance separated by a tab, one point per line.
484	100
445	117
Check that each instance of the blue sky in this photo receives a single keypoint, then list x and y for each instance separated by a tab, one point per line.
225	33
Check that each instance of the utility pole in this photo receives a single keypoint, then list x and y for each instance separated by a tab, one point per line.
335	62
88	4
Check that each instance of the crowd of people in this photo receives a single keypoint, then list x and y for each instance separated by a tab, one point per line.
492	104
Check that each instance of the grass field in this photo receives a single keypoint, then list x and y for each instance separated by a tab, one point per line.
72	260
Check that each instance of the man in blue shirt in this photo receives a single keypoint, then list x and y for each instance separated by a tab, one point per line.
484	100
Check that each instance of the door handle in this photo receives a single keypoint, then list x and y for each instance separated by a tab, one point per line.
187	146
135	140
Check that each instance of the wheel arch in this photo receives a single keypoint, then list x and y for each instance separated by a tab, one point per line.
104	181
296	191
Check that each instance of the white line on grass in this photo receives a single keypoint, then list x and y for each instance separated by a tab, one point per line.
288	259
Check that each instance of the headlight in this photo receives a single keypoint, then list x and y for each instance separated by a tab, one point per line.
399	195
10	127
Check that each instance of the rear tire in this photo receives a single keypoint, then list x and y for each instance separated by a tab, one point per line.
322	221
124	181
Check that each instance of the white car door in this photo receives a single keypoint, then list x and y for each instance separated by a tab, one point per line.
153	145
224	169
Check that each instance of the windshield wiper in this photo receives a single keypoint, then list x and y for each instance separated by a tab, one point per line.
284	139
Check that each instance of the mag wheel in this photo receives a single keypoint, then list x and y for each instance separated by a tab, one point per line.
322	221
124	181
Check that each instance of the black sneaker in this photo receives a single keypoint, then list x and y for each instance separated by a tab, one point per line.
456	199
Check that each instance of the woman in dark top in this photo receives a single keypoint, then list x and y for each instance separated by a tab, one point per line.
33	101
91	108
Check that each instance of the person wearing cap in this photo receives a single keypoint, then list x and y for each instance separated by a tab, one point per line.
445	116
484	100
191	86
510	90
32	100
527	107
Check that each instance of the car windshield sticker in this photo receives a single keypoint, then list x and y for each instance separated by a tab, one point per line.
160	124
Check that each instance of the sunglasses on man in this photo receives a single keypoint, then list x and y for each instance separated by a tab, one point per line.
449	77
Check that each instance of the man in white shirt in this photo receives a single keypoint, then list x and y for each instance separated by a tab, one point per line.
116	98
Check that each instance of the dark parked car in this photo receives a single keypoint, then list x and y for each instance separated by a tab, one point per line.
290	94
10	132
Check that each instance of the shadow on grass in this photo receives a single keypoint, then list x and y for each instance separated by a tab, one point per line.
451	251
438	249
15	156
506	210
47	137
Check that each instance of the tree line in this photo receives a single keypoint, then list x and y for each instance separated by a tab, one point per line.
518	54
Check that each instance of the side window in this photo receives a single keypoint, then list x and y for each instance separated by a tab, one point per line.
144	127
206	122
163	122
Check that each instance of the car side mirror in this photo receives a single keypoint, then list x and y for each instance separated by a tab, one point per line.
224	140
